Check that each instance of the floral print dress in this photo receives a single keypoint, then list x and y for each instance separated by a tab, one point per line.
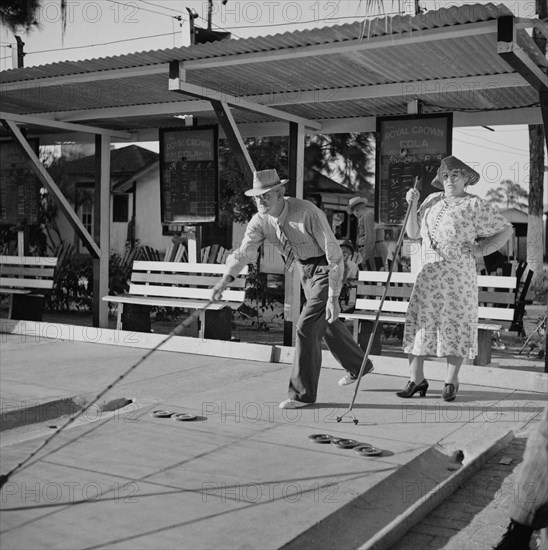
443	309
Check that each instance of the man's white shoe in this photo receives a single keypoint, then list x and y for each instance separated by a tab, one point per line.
347	380
350	378
293	404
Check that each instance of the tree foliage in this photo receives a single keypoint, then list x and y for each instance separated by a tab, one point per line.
17	14
343	157
23	14
508	194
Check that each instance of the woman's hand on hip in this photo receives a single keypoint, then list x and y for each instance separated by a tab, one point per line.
469	248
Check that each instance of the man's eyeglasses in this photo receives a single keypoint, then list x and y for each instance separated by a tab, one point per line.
266	196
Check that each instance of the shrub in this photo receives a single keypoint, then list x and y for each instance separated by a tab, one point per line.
73	286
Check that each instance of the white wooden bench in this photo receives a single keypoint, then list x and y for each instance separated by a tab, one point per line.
26	279
182	285
496	302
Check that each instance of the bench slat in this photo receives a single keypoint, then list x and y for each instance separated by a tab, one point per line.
392	306
28	260
183	292
217	269
178	279
483	280
44	284
169	302
486	297
378	290
494	281
395	319
498	313
382	276
27	271
383	318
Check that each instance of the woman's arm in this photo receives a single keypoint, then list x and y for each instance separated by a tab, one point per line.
488	245
412	227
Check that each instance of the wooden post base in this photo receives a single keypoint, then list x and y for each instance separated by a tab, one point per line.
26	307
364	332
484	347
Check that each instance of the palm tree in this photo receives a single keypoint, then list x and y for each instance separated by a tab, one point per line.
23	14
535	249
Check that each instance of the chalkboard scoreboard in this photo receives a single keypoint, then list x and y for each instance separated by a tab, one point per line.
408	147
189	175
19	187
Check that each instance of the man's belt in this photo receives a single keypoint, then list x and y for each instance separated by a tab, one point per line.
314	260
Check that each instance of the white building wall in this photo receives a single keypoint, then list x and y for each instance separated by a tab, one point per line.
148	226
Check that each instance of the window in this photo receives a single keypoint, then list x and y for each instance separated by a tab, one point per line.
120	208
85	212
86	215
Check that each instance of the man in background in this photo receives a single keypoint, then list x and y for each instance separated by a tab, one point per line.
366	236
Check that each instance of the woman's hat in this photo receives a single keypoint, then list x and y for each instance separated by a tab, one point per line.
354	201
453	163
265	181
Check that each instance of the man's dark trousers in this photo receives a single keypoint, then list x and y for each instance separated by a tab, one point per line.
312	326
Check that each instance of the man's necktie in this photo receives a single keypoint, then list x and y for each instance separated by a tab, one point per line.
287	251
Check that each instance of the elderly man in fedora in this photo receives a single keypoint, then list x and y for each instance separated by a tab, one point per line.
303	236
365	239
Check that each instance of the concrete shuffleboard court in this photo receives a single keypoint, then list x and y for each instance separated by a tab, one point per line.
234	471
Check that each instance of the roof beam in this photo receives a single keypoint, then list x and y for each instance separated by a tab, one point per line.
43	175
516	57
149	109
508	117
356	45
177	83
541	26
82	78
425	88
237	145
48	122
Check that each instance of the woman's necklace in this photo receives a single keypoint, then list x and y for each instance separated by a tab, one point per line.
450	201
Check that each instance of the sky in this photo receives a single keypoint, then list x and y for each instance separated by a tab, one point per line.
101	28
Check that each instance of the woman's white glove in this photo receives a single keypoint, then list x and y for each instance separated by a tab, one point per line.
220	287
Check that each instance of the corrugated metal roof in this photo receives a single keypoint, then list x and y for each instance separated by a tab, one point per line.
365	29
272	70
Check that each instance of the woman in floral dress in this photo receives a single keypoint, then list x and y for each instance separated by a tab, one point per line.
454	227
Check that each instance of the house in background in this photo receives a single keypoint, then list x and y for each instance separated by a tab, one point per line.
132	167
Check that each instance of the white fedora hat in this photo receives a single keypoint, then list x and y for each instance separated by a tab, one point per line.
264	181
354	201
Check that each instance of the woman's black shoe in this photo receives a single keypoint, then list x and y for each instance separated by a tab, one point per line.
450	392
411	389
